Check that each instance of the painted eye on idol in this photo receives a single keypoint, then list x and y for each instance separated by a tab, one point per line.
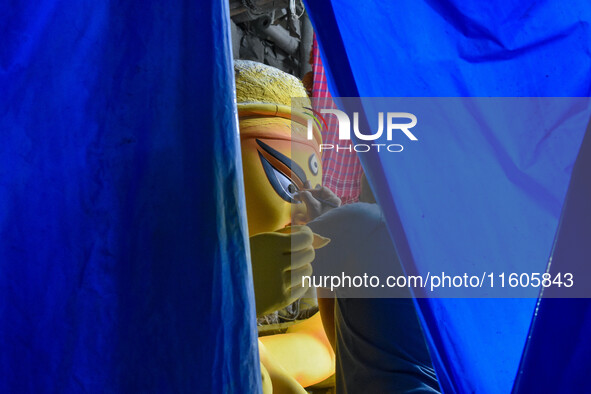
281	183
313	164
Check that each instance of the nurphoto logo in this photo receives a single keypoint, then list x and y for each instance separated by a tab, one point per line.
390	122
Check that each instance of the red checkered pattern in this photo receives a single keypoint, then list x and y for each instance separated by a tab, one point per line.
341	170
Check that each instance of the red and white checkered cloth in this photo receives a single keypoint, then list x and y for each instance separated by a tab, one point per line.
341	170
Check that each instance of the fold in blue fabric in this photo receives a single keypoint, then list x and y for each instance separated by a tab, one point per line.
446	48
123	265
557	357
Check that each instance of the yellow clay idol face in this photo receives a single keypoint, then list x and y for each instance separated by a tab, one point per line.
275	168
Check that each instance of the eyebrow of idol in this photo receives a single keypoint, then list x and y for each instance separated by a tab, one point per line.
293	166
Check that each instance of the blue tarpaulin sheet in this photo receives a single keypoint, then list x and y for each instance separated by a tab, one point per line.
123	265
459	49
123	262
557	358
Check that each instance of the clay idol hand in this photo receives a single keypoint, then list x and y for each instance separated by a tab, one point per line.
280	259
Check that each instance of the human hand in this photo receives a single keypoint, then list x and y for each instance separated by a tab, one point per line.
318	201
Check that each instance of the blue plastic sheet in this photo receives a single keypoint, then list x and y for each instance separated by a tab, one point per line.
473	48
123	264
557	357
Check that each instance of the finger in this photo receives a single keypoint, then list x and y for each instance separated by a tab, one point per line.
301	258
280	242
307	197
334	200
318	242
301	238
325	193
296	292
294	277
290	239
313	206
